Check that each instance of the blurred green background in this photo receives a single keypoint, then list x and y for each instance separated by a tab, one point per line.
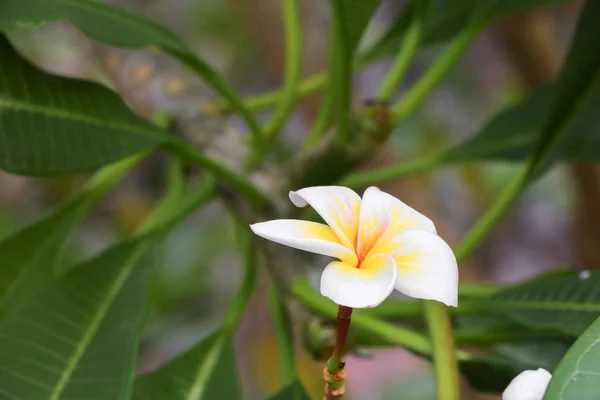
195	271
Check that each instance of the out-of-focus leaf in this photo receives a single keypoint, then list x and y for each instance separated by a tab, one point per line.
31	256
545	354
207	371
576	377
499	8
565	114
510	135
117	27
565	302
444	19
51	125
294	391
574	112
492	373
356	16
103	22
78	336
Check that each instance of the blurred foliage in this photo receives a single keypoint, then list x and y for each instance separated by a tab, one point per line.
99	277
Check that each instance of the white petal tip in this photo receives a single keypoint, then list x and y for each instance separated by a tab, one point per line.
297	199
528	385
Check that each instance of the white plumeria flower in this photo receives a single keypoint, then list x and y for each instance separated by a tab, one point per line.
528	385
381	244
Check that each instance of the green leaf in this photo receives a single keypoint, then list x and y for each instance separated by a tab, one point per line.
444	19
356	17
32	256
294	391
545	354
576	377
508	136
78	336
51	125
492	373
117	27
564	302
207	371
499	8
556	123
574	111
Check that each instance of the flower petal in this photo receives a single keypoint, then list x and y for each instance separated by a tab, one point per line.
427	266
338	206
363	287
304	235
528	385
381	214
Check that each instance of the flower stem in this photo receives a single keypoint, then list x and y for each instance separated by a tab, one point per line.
334	373
444	350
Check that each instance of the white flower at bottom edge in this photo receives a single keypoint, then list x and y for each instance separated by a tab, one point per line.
381	244
528	385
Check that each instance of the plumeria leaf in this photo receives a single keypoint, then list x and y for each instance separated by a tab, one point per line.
52	125
444	19
357	14
207	371
511	134
558	122
500	8
566	302
78	335
32	256
117	27
574	110
493	372
576	377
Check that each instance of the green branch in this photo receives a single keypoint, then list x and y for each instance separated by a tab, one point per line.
394	172
342	72
431	78
248	250
328	106
293	68
283	335
410	45
266	100
488	220
258	199
214	79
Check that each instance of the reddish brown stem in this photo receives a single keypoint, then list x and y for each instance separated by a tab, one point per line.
334	373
